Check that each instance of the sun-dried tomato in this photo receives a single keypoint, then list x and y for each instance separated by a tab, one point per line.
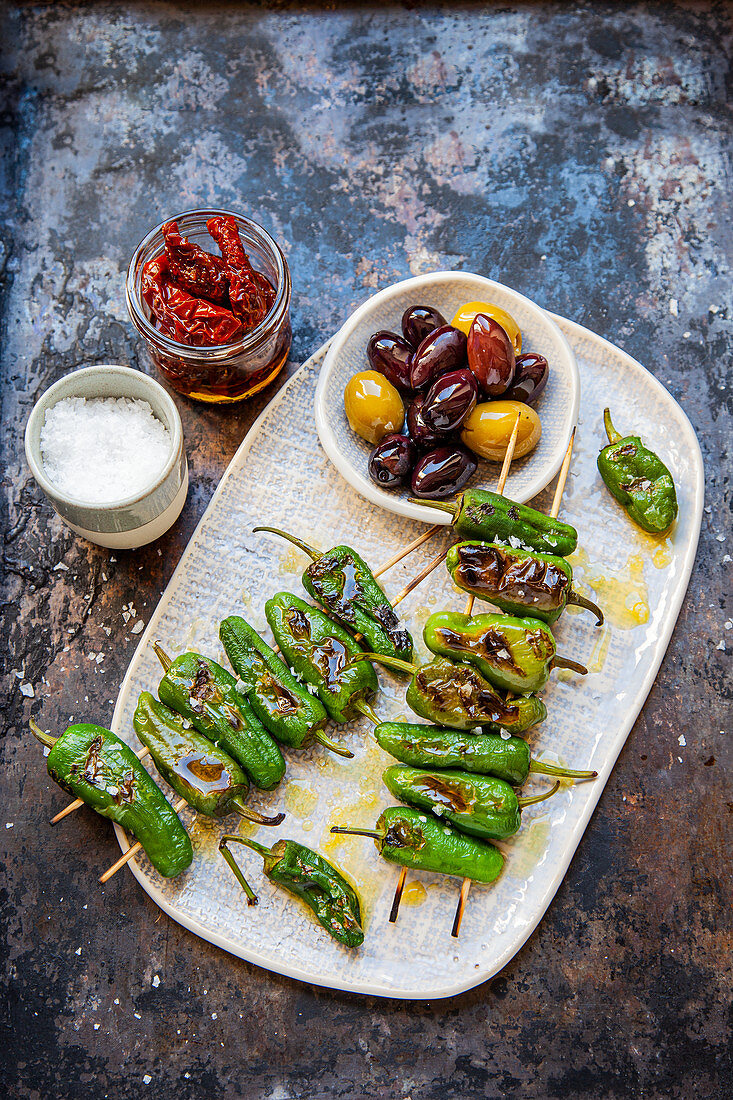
191	268
246	295
180	316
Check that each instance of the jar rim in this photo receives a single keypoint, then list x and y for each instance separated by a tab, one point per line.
208	352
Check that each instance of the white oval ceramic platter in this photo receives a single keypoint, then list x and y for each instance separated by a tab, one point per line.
280	476
557	406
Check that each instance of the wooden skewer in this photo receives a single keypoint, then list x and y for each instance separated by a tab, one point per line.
397	896
421	576
78	802
501	485
408	549
465	887
563	477
132	851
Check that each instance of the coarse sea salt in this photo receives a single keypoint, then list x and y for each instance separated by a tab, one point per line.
103	449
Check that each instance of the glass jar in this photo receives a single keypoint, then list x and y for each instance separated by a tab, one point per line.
227	372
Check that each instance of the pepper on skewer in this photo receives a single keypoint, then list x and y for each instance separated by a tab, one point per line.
638	479
415	840
95	765
481	514
288	710
333	900
480	805
507	758
554	511
210	780
342	582
206	694
515	654
320	652
519	582
501	484
458	696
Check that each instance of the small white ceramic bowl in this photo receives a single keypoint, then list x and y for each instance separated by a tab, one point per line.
557	407
129	522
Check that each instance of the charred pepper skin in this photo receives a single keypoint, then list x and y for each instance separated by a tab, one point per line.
210	780
416	840
519	582
512	653
93	764
320	651
479	805
287	708
342	582
638	479
206	694
307	875
481	514
481	753
457	695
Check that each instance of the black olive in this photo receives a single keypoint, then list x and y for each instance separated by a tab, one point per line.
392	460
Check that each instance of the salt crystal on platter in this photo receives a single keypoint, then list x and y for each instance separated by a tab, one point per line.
103	449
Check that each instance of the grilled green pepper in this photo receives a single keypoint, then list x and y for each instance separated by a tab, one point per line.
344	584
206	694
413	839
287	708
479	805
458	696
310	877
638	479
507	758
481	514
93	764
320	652
198	770
514	654
517	581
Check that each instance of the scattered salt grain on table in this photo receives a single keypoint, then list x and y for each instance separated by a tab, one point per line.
102	449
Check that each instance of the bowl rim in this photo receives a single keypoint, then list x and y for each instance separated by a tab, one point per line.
361	482
57	392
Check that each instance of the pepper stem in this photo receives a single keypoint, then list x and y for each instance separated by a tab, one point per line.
565	662
613	435
162	656
553	769
357	832
538	797
46	739
390	662
366	710
327	743
443	505
583	601
309	550
253	815
251	896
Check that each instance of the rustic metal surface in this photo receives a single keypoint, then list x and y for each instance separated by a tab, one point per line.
580	156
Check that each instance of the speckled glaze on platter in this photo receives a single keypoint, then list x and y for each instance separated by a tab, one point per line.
228	569
557	407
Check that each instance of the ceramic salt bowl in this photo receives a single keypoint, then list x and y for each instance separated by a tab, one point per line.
557	407
129	522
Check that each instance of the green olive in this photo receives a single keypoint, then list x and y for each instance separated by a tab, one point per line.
488	429
373	406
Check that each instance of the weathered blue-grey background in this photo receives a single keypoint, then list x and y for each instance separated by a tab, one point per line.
581	154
